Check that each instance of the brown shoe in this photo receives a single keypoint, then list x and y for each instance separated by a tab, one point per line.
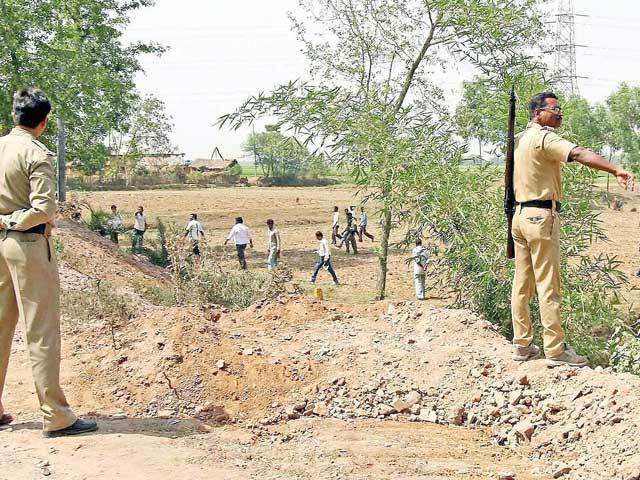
568	357
5	419
524	354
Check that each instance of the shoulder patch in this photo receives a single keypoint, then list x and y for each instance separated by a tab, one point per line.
42	147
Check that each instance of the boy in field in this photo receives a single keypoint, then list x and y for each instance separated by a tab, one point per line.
194	232
241	236
324	259
275	244
420	262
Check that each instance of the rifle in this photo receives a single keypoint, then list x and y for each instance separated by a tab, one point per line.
509	194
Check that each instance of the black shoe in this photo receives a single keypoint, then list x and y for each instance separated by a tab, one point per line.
78	428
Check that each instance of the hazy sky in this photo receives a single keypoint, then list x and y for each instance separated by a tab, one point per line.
222	51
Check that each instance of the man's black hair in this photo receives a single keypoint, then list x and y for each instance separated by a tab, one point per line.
30	107
418	242
319	234
335	209
195	216
270	221
540	101
239	220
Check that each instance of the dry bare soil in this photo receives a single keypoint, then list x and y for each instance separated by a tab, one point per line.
297	388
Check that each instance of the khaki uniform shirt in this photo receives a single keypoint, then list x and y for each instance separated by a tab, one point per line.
27	196
539	153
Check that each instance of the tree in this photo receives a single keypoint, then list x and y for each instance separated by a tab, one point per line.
624	114
75	51
483	109
279	156
146	131
373	94
481	113
584	123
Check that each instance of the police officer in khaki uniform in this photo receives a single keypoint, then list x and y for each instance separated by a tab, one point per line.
539	155
29	283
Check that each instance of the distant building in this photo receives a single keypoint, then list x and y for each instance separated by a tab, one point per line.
206	165
216	164
156	162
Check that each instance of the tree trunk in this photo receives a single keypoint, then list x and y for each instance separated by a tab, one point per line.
386	226
384	254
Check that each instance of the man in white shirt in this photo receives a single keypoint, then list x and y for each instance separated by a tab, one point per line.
139	229
335	226
194	232
115	224
364	221
420	261
241	236
274	243
324	259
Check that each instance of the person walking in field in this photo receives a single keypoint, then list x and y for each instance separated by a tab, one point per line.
364	221
538	158
324	259
274	244
335	226
29	280
139	228
115	224
194	232
420	260
241	236
349	233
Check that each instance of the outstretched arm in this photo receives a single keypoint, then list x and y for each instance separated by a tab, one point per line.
593	160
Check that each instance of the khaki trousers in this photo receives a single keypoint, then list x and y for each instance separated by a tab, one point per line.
536	233
30	290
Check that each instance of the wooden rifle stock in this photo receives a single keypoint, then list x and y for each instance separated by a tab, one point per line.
509	193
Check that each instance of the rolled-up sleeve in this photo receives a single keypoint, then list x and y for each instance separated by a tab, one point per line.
556	148
41	197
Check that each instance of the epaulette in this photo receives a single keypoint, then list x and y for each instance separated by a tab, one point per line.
42	147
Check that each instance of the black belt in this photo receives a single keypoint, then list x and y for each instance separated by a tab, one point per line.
41	229
548	204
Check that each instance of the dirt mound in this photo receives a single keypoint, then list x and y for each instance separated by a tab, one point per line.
85	255
296	357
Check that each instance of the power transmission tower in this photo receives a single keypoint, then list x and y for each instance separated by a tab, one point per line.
566	76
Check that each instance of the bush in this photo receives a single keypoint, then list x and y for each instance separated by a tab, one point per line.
156	250
98	221
235	171
211	283
625	349
100	304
